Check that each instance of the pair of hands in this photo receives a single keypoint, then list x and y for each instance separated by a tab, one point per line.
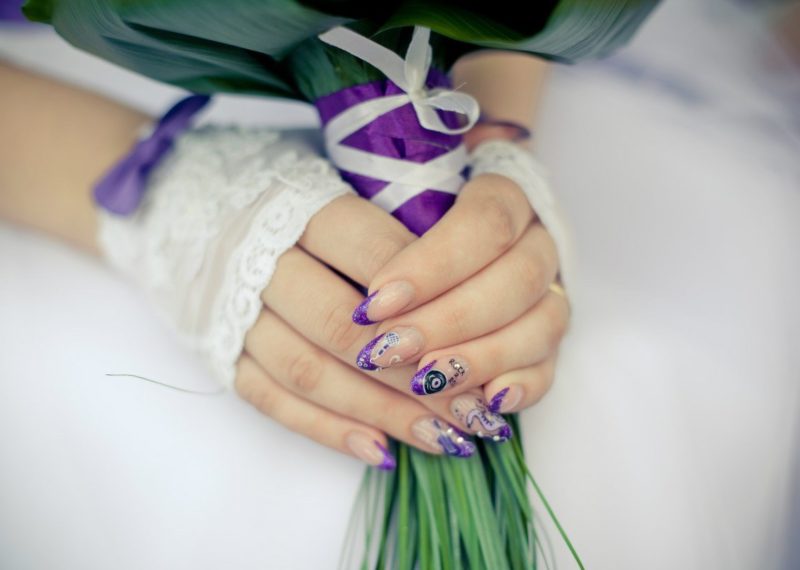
459	327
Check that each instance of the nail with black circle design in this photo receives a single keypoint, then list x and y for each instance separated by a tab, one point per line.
433	378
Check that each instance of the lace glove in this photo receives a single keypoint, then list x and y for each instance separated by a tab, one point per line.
218	212
512	161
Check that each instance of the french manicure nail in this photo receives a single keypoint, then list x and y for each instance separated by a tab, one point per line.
476	416
384	302
441	435
506	399
390	348
370	451
433	378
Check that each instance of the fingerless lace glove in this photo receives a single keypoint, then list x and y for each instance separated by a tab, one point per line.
219	210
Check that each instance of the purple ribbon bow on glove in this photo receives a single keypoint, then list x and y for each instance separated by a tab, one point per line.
122	188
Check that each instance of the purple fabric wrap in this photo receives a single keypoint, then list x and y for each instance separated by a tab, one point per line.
11	11
397	134
122	188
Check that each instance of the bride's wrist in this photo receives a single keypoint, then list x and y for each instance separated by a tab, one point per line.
492	129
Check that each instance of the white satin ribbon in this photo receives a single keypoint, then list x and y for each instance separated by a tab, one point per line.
406	179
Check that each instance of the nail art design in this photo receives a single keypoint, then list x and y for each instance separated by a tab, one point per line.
497	400
384	342
476	415
389	349
437	433
360	314
389	462
430	380
370	451
390	339
384	302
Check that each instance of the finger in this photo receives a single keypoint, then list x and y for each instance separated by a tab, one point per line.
365	237
257	387
490	300
471	414
522	343
489	215
317	304
313	375
521	388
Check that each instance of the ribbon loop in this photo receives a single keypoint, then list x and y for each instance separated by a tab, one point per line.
406	180
410	75
122	188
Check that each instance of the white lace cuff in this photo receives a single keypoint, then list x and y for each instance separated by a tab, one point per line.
219	210
509	159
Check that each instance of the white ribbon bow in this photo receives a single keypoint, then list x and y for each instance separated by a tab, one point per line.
406	179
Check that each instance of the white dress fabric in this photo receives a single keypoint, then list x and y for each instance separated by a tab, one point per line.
668	441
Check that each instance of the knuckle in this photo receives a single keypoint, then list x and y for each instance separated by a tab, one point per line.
549	250
304	372
499	221
256	393
530	273
379	249
338	330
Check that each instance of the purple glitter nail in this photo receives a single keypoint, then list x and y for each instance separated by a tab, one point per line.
363	359
449	440
497	401
360	314
389	462
418	384
504	434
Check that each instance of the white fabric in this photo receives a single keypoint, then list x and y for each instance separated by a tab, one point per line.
219	210
669	439
517	163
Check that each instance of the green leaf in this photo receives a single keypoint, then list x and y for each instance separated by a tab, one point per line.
270	47
38	10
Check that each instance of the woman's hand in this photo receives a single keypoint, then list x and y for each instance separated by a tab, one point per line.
474	288
471	301
298	364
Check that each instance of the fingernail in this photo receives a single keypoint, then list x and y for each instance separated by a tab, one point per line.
390	348
384	302
442	436
370	451
476	416
506	399
431	378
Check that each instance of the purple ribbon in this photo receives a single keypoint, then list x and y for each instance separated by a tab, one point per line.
397	134
11	11
122	188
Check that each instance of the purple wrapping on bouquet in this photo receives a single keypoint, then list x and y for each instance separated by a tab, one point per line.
397	134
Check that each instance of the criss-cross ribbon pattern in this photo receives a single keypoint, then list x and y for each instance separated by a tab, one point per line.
420	169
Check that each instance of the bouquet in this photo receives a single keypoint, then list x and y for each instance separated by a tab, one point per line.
377	73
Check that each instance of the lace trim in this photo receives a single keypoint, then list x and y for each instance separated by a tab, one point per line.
218	212
509	159
310	185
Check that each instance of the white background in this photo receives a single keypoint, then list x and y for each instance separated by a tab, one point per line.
668	441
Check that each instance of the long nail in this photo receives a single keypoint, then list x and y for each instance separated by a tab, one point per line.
440	435
390	348
370	451
384	303
431	378
506	399
478	418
